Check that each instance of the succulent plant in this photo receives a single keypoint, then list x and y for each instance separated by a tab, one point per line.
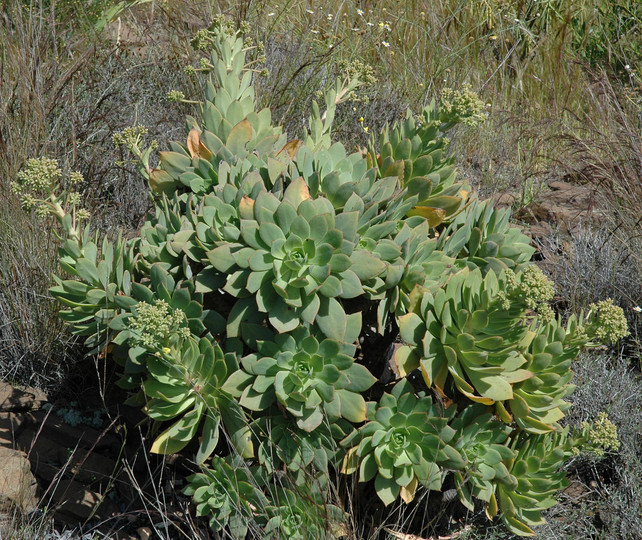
158	313
302	514
298	259
402	445
311	380
481	439
412	260
538	403
413	151
537	467
101	289
309	456
228	492
239	308
185	380
468	330
481	236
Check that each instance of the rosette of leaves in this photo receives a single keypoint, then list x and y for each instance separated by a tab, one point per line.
302	514
165	239
402	445
233	139
347	182
228	492
297	259
101	290
413	151
537	469
481	236
482	441
412	260
305	454
156	315
311	380
470	329
185	380
538	403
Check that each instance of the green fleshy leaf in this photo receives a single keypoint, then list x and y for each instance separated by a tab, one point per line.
387	489
366	265
209	438
353	406
360	378
332	319
283	317
368	468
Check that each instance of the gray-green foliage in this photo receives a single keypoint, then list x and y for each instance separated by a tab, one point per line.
264	257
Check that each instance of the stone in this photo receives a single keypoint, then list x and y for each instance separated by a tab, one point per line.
18	486
15	400
51	426
565	205
10	427
73	502
504	200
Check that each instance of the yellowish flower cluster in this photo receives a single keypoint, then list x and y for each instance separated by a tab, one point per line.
464	104
602	435
609	324
130	137
155	324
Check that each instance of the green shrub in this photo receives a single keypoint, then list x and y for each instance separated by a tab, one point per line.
241	307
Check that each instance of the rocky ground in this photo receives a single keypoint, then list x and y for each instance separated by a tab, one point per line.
84	469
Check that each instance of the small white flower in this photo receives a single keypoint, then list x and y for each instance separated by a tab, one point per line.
385	44
369	24
627	67
314	31
637	309
360	12
310	11
271	14
330	17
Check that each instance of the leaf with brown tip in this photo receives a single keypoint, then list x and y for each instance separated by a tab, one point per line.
291	147
239	136
161	181
435	216
196	147
297	192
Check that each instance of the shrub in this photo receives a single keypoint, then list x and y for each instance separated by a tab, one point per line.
242	305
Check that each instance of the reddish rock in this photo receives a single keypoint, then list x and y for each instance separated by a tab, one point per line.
14	399
17	485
